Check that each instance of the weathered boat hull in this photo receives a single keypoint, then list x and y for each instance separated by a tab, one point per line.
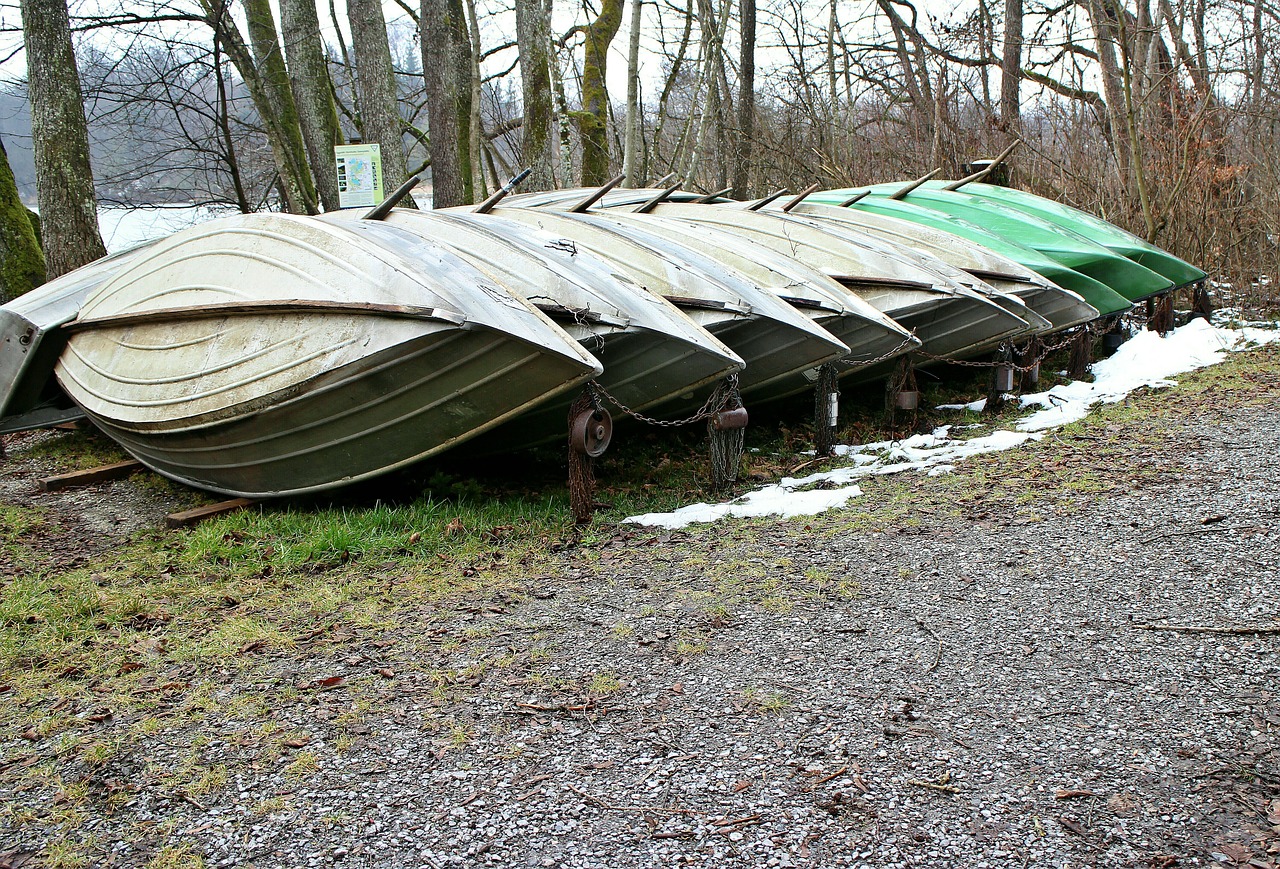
866	330
1102	297
1131	280
32	338
775	341
923	302
269	355
1061	307
650	351
1178	271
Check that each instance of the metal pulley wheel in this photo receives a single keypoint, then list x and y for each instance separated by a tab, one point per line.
727	420
590	432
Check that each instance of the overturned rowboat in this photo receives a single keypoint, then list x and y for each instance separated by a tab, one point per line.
1062	308
776	342
273	354
651	352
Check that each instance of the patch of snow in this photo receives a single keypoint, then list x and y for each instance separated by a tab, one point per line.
979	405
780	499
1146	360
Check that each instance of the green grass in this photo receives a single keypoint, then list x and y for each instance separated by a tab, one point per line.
182	635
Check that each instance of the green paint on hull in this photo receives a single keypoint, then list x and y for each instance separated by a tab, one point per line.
1126	277
1110	236
1095	292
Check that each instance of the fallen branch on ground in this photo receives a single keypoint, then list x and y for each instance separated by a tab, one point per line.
1213	629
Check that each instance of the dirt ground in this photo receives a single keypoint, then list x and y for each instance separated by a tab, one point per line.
1065	659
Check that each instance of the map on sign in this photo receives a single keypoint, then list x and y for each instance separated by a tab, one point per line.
359	175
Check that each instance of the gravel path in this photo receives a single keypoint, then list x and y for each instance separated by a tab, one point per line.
958	690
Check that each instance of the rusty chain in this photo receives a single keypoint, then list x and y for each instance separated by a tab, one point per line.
716	402
973	363
883	357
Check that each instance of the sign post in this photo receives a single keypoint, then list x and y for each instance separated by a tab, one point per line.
359	175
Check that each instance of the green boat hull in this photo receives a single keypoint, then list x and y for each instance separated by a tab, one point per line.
1095	292
1131	280
1110	236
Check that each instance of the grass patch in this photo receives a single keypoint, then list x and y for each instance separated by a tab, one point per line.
179	637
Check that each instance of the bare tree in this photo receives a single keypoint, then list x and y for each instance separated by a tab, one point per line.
1011	66
376	86
533	33
294	174
747	96
632	160
64	179
313	93
446	69
269	63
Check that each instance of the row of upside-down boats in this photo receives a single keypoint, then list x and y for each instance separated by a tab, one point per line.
272	354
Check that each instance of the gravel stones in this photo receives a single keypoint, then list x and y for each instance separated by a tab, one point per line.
970	691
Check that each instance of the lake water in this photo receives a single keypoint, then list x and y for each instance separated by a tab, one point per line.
123	228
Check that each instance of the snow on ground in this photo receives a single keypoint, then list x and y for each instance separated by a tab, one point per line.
1144	360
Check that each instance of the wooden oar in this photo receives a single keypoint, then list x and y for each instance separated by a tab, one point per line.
500	194
986	170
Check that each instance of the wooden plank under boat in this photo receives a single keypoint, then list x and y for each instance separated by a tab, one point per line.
273	354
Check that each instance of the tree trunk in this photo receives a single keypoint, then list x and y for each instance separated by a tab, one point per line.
594	118
1105	40
21	260
533	33
296	189
1011	67
64	179
746	99
631	158
446	68
474	127
313	93
376	90
275	85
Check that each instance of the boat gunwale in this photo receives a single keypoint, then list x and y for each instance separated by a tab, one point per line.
252	308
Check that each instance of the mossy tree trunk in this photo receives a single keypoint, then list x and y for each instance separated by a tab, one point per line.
21	260
446	67
376	89
64	179
313	93
533	33
275	85
294	178
593	120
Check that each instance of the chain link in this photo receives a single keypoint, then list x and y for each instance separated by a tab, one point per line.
716	402
1044	353
883	357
